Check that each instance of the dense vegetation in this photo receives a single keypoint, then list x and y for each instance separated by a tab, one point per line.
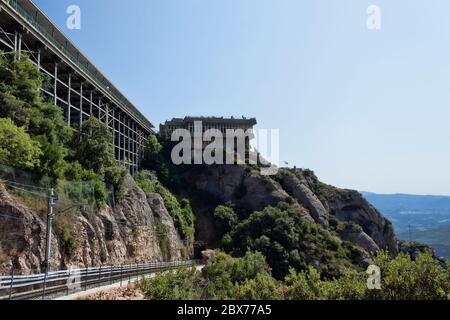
67	242
16	146
287	240
21	102
179	209
35	137
249	278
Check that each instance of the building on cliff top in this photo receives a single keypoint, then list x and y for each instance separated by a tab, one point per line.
236	132
219	123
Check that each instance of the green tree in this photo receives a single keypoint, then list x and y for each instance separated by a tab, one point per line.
16	147
115	178
289	241
154	158
92	146
21	101
75	171
225	218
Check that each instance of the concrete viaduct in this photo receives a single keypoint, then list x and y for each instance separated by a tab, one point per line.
75	85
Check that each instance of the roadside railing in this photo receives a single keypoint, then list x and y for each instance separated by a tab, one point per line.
64	282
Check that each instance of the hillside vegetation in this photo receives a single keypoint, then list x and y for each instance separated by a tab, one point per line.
250	278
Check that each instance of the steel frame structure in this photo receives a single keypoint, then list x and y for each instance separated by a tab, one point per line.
74	84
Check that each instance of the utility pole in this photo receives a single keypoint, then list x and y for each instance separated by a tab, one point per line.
51	204
410	238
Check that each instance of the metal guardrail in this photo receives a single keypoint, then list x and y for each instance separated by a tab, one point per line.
63	282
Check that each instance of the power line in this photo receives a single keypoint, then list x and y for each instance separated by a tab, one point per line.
11	217
24	190
22	185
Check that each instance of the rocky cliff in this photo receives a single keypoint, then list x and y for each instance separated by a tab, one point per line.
138	229
360	223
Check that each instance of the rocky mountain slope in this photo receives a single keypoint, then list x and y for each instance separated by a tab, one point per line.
128	233
321	203
131	232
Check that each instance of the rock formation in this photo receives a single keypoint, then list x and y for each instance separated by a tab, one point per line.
249	190
138	229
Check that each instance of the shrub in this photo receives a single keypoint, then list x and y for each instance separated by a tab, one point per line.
225	218
404	279
67	242
146	180
248	278
92	146
180	210
287	240
303	285
163	240
172	285
100	193
115	177
154	158
17	149
262	287
225	274
75	171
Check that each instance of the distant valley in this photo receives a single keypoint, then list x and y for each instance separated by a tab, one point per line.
419	218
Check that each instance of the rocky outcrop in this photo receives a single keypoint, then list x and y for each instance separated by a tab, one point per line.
22	237
298	189
260	192
237	184
219	181
350	206
249	190
356	235
347	206
138	229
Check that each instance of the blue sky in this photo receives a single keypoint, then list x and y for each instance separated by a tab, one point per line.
366	110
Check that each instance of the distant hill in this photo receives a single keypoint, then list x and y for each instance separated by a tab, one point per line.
423	218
